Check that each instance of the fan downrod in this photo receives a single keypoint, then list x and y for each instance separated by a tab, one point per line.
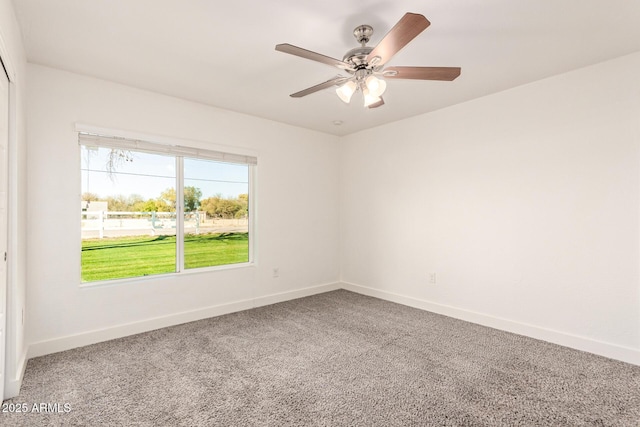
358	55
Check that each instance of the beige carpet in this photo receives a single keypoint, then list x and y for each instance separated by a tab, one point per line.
335	359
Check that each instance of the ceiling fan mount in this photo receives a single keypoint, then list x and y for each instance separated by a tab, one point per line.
363	33
364	64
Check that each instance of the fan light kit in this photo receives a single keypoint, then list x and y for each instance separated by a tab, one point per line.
365	64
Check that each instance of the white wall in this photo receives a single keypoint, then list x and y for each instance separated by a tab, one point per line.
13	55
524	203
297	173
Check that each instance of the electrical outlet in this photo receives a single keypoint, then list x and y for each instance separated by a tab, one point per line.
432	278
276	272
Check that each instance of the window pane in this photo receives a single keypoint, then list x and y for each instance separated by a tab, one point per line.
216	219
128	214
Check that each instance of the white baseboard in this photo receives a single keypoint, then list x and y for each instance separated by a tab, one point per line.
12	385
42	348
298	293
92	337
613	351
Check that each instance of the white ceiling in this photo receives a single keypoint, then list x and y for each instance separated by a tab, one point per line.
221	53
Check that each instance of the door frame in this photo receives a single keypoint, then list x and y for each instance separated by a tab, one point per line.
15	363
4	233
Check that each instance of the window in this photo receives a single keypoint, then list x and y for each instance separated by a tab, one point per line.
154	209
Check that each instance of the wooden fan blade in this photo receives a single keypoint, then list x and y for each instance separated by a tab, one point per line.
377	104
336	81
409	26
314	56
422	73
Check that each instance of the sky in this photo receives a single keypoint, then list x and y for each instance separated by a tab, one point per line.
148	175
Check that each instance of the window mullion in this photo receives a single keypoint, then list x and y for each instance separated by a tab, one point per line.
252	212
179	213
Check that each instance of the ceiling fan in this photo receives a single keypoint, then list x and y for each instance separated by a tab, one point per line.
364	64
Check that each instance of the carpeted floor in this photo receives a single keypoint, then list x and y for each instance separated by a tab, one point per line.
335	359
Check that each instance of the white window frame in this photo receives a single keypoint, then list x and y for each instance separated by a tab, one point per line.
100	137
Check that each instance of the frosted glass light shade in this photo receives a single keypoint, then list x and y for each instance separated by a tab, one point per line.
346	91
370	98
375	85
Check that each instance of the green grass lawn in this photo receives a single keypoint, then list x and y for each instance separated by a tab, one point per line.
120	257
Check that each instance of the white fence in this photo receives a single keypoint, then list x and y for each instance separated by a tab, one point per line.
112	224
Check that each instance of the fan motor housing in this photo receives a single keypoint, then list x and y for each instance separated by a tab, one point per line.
358	56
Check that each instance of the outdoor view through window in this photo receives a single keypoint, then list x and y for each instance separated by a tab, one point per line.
129	222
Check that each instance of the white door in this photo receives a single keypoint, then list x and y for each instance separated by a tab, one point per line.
4	177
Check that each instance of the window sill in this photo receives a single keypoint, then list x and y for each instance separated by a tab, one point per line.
189	272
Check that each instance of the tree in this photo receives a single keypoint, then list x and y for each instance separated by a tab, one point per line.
117	203
149	206
90	197
219	207
167	199
162	206
243	201
191	198
116	158
135	202
228	208
140	206
210	205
